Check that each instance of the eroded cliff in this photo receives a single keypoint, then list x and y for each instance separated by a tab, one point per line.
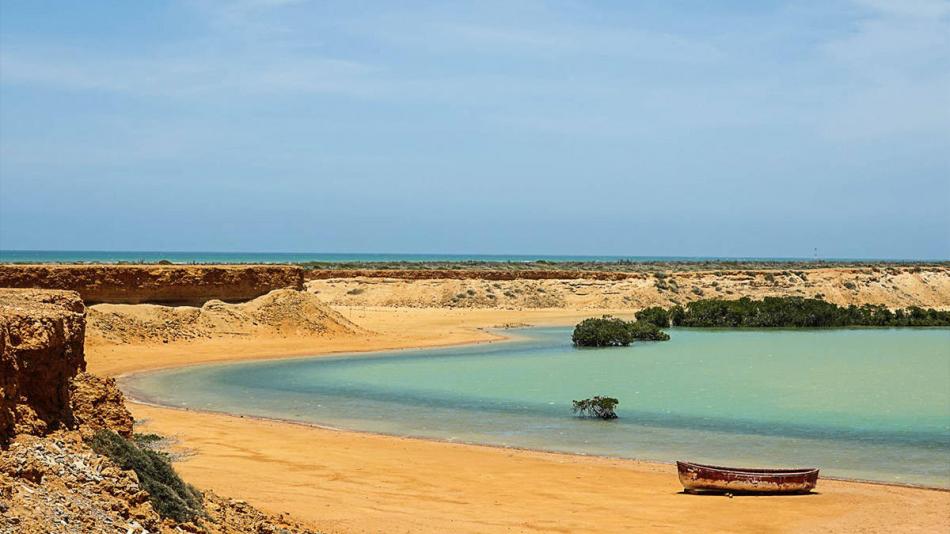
165	284
41	350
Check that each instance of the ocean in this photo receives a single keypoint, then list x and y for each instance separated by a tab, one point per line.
128	256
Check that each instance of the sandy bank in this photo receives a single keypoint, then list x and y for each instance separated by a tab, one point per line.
354	482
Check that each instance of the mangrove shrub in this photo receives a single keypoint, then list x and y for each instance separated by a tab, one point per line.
791	312
609	331
654	315
601	407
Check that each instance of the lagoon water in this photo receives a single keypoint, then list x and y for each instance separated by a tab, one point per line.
858	403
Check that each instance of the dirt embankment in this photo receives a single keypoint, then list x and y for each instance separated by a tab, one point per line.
283	312
165	284
890	286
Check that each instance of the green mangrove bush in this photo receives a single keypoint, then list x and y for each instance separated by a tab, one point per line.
599	407
654	315
790	312
608	331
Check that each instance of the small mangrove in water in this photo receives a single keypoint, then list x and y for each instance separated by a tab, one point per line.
600	407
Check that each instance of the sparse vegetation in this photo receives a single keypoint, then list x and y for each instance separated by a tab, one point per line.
152	442
170	496
599	407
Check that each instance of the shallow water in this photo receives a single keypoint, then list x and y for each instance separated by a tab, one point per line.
862	403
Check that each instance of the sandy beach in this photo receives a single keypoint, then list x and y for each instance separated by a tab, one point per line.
342	481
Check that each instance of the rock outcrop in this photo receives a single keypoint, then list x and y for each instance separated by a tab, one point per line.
41	350
43	386
97	403
164	284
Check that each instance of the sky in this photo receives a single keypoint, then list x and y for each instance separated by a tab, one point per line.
655	128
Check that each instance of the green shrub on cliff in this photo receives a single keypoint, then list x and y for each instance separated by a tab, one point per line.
171	497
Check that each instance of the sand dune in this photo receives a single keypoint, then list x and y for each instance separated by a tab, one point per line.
282	312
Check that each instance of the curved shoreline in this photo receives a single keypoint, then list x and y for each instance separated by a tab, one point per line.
138	397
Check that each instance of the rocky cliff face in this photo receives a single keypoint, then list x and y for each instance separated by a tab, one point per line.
42	384
41	349
165	284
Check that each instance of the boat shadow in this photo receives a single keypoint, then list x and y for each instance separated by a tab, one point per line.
731	494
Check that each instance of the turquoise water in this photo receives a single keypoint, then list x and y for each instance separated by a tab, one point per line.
114	256
863	403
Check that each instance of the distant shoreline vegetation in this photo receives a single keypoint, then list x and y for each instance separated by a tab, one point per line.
770	312
788	312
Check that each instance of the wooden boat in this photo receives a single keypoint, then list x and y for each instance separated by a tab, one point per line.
699	477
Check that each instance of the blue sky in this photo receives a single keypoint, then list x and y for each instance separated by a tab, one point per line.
631	128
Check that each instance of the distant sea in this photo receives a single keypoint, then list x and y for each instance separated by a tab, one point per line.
128	256
154	256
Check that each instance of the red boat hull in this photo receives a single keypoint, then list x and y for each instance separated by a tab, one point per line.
699	477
